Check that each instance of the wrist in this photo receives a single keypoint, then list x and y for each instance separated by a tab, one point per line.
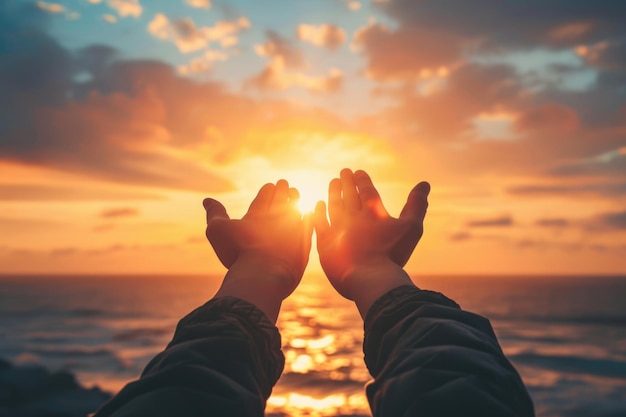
376	277
260	280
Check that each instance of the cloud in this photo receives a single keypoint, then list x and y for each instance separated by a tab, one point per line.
188	37
502	221
118	212
199	4
553	222
603	188
109	18
495	24
607	54
549	117
613	221
279	49
354	5
460	236
35	192
126	8
203	63
275	77
327	35
284	57
608	164
405	53
118	126
51	7
134	122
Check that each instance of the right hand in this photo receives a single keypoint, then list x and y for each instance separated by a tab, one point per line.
363	249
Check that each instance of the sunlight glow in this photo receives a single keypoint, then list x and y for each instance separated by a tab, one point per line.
299	405
312	185
302	364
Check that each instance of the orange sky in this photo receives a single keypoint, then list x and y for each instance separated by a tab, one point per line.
118	121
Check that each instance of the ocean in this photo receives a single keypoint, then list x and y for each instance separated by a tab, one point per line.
565	335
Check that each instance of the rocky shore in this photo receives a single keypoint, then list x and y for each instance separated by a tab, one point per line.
34	391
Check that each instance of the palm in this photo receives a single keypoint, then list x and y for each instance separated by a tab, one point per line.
361	231
272	228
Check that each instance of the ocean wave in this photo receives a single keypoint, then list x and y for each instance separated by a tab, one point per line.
573	364
615	320
318	383
141	334
71	352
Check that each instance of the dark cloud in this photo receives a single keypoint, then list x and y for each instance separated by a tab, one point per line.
552	222
497	24
405	53
597	189
67	251
606	55
119	212
34	192
612	221
612	164
550	117
502	221
460	236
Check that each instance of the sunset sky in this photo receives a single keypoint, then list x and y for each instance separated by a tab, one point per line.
119	116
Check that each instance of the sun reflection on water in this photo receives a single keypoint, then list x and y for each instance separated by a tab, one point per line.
322	341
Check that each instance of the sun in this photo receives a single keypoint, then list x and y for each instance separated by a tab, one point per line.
312	185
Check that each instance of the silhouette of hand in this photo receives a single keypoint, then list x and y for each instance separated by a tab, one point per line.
269	247
363	248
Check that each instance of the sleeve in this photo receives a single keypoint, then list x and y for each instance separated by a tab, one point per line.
430	358
224	359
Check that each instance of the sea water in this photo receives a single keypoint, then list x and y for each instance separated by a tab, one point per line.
565	335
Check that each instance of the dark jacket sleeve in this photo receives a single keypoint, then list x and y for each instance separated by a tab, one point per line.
224	359
430	358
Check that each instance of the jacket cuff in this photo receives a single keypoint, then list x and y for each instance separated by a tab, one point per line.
269	360
388	310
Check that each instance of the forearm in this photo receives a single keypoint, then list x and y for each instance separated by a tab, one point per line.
429	355
259	281
375	278
223	360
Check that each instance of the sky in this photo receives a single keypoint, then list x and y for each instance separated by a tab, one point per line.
117	117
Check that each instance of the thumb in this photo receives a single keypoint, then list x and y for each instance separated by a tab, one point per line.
320	221
214	210
417	202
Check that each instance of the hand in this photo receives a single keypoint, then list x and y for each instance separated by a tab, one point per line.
266	251
363	249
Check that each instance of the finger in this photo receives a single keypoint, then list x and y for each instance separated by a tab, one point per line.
214	210
262	200
308	222
281	196
351	200
335	203
370	199
294	198
417	202
320	222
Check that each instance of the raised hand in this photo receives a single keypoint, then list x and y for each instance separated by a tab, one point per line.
363	249
266	251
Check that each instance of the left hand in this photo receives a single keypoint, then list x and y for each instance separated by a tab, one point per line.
268	249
